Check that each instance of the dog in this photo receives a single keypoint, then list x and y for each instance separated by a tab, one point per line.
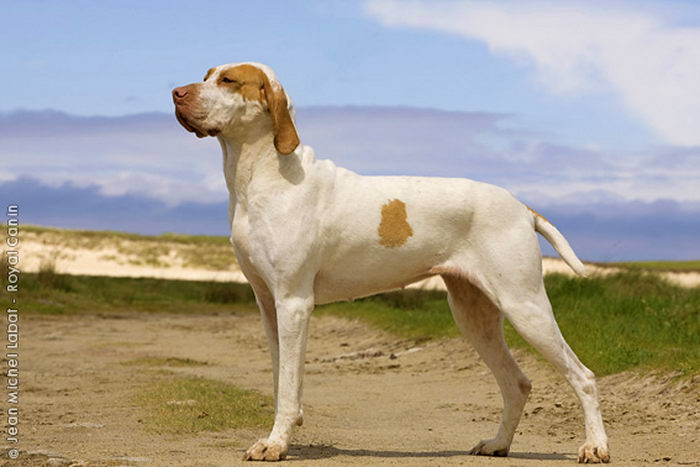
307	232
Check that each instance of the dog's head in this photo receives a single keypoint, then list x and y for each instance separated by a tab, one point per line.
237	99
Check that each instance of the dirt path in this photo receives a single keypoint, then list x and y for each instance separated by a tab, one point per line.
426	407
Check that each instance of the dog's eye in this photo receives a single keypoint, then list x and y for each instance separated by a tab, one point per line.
228	80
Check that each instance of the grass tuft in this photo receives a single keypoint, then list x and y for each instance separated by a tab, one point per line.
192	405
50	279
227	292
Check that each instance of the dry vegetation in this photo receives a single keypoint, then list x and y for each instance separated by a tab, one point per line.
188	251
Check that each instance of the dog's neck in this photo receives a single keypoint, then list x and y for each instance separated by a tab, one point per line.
255	157
245	158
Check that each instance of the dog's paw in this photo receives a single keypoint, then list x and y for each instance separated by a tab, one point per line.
591	453
265	450
490	447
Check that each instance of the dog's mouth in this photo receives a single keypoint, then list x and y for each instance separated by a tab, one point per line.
192	128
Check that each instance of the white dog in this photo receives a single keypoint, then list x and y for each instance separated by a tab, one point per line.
307	232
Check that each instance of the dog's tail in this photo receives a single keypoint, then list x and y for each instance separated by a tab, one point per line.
557	240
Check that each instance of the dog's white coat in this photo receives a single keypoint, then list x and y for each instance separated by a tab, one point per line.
306	232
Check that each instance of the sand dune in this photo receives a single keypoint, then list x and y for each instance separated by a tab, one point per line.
73	252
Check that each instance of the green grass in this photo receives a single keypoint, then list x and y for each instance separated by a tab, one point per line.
628	320
191	405
48	292
614	323
413	314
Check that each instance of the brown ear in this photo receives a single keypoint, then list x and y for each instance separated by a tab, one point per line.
286	137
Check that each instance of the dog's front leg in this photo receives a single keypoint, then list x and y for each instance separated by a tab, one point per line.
292	325
268	314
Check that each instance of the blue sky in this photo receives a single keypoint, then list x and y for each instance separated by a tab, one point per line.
575	106
122	57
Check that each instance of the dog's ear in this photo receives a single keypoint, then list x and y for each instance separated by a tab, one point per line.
286	137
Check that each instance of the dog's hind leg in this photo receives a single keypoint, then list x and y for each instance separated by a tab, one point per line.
482	324
531	315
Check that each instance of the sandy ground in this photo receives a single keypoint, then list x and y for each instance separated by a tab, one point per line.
426	407
118	258
126	259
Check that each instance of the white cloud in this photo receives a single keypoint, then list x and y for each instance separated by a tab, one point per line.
7	176
577	46
152	157
143	155
484	147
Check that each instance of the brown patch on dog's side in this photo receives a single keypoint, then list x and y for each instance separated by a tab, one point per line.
394	228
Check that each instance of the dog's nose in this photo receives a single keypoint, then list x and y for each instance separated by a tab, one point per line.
179	93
